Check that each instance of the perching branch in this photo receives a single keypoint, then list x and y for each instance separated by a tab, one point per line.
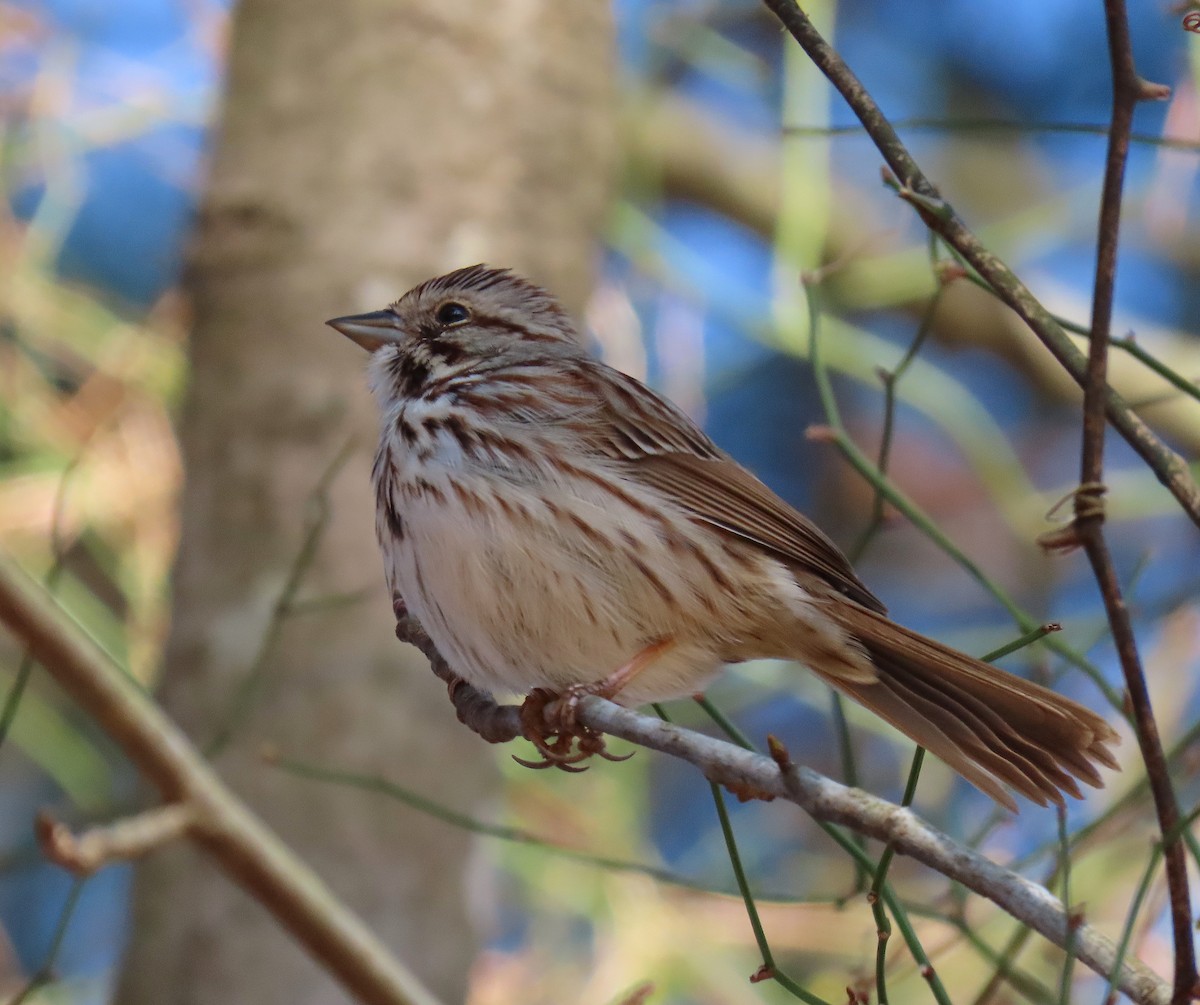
939	216
237	840
824	800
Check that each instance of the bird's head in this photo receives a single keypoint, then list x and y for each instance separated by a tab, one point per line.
470	313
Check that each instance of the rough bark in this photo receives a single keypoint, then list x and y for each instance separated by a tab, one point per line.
363	147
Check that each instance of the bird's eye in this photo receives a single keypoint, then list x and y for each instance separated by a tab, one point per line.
452	313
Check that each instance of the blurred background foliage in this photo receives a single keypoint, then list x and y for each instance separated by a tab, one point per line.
740	172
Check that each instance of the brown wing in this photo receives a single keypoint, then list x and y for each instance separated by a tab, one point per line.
662	448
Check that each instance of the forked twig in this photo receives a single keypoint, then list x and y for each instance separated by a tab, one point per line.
236	839
1171	469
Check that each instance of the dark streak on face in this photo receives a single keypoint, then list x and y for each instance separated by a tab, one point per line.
410	375
445	352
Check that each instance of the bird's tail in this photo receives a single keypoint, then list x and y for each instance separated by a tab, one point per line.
992	727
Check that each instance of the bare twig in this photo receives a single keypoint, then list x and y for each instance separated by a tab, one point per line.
770	969
120	841
1128	90
827	801
939	216
237	840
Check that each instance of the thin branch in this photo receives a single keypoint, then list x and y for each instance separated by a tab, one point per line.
1135	908
45	973
1171	469
883	926
827	802
991	125
1088	526
1128	344
1004	971
851	845
515	835
836	434
910	789
120	841
1008	955
890	379
1168	466
238	841
1064	870
769	969
241	702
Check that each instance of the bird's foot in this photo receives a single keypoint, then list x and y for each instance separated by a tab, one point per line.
546	714
549	721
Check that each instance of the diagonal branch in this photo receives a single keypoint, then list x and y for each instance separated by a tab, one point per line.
824	800
832	802
939	216
237	840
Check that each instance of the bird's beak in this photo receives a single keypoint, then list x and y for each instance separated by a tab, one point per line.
371	331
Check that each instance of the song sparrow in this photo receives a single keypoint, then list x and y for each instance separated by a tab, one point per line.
555	524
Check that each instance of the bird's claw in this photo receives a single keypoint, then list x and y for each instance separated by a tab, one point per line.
548	721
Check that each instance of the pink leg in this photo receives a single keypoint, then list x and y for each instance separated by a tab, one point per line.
543	708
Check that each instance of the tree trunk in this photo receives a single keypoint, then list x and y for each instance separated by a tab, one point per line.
364	146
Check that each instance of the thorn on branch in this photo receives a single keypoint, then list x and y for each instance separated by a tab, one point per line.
1147	90
1062	541
745	792
779	753
817	433
811	278
947	271
121	841
930	206
763	973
